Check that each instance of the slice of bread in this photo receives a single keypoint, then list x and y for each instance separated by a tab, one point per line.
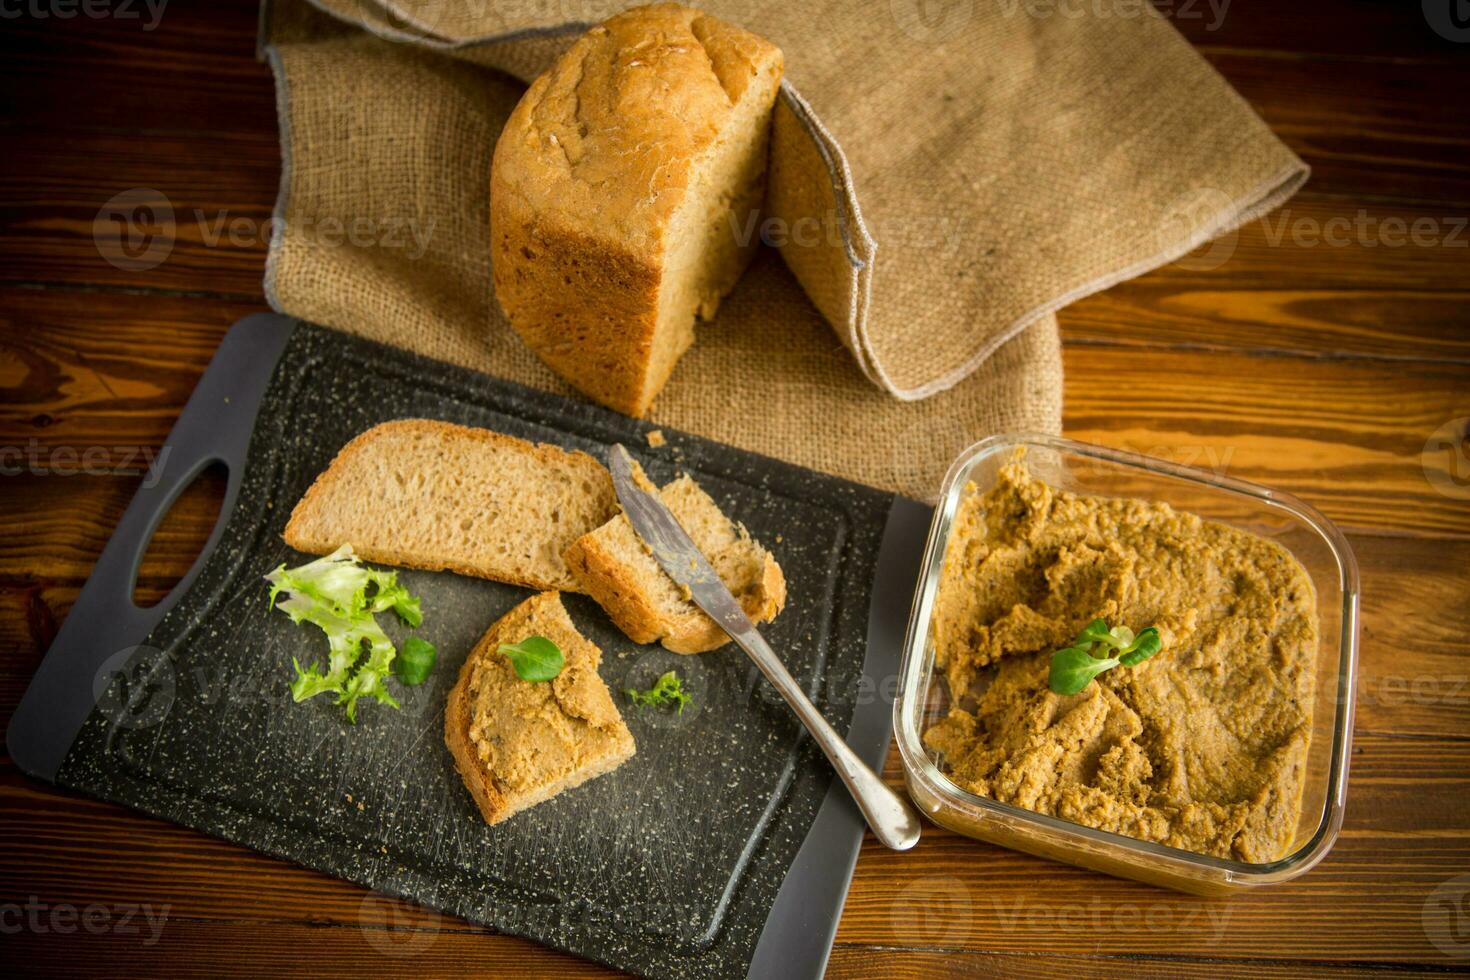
518	743
434	495
625	194
614	567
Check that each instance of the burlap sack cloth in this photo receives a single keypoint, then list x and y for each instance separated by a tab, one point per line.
944	177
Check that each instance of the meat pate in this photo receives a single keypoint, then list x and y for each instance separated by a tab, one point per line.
1204	746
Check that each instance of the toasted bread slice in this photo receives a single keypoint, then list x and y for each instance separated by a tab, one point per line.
518	743
434	495
614	567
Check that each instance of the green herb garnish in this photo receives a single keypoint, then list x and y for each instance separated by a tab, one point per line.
415	661
535	658
340	596
667	690
1073	668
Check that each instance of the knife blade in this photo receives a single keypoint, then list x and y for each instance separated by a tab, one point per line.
892	820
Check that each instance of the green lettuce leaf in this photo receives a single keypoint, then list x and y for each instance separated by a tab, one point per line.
340	597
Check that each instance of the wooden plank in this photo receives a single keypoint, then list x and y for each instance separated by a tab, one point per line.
1372	128
1321	241
1157	311
912	964
220	194
1405	835
1316	30
186	948
180	948
192	70
80	370
1365	903
1347	435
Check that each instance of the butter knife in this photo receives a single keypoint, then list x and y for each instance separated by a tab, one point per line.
893	821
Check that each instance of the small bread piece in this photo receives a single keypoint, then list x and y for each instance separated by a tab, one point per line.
518	743
434	495
625	194
614	567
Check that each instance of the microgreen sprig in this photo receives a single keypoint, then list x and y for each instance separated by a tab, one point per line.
667	690
1074	667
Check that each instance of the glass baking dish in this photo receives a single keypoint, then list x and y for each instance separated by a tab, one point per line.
1324	553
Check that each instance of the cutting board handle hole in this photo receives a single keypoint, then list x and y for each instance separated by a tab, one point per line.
179	535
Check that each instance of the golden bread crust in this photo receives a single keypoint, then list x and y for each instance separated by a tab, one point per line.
588	176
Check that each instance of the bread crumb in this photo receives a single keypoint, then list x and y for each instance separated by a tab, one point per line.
656	438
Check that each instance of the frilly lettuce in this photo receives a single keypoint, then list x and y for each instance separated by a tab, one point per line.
340	597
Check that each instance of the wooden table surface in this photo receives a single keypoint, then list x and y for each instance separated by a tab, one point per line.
1320	358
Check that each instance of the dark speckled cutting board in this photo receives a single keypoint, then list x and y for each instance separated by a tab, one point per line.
723	847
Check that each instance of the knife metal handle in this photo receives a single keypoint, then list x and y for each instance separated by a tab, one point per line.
892	819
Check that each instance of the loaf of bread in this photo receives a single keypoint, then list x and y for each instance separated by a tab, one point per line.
434	495
614	567
625	192
517	743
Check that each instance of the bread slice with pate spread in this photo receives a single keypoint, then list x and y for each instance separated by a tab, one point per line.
518	743
613	565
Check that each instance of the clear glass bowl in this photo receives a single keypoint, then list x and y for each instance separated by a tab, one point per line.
1317	544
